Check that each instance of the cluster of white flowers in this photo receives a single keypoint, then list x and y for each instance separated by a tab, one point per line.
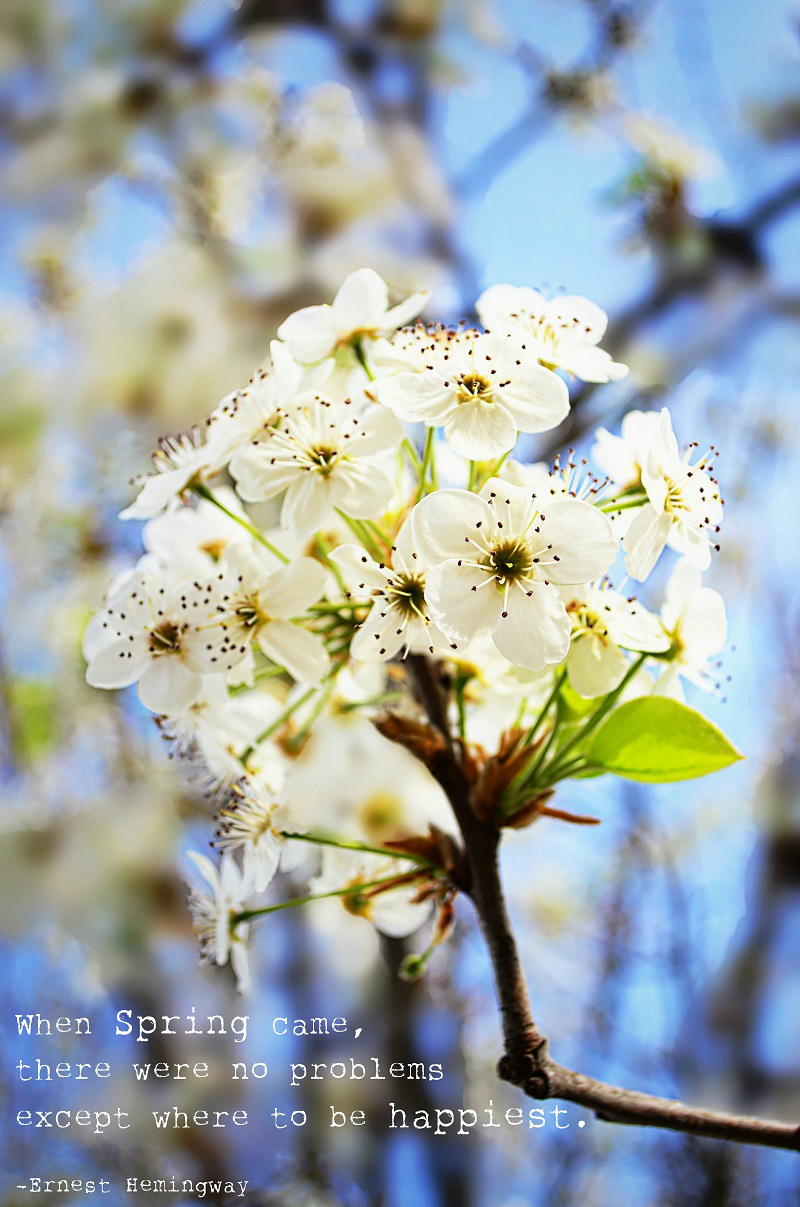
357	506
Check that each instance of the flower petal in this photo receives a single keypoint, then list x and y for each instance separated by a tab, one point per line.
257	478
582	540
416	397
301	652
289	591
310	333
537	398
595	666
359	567
443	521
117	664
362	490
307	502
166	686
377	431
535	631
462	600
362	300
645	540
480	430
380	636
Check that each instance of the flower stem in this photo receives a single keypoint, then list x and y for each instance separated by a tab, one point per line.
363	534
361	356
205	493
596	717
269	672
246	915
277	723
621	503
531	734
347	844
427	458
412	454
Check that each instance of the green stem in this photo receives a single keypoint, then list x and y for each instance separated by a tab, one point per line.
277	723
596	717
566	770
347	844
269	672
498	465
621	503
324	696
361	356
412	453
378	534
204	493
462	712
349	890
548	704
363	534
324	551
427	455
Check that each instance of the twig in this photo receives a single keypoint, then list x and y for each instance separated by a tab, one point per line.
526	1061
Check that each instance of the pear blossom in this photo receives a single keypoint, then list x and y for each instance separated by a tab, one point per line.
180	462
324	458
604	625
394	911
271	394
480	388
218	727
497	560
251	822
695	621
155	634
622	457
251	602
570	478
683	506
360	308
392	796
561	332
398	618
213	913
189	540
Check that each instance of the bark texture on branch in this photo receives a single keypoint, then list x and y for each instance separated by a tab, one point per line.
526	1061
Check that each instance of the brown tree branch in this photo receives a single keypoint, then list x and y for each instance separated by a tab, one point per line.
526	1061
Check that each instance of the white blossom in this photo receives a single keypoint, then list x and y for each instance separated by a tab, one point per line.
251	822
694	618
180	462
394	911
271	394
393	794
156	634
187	541
683	506
213	913
562	332
398	618
480	388
324	458
605	624
360	308
498	558
622	457
218	727
252	602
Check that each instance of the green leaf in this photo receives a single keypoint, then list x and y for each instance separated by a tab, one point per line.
658	741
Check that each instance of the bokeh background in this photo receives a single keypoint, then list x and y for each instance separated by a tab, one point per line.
177	176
